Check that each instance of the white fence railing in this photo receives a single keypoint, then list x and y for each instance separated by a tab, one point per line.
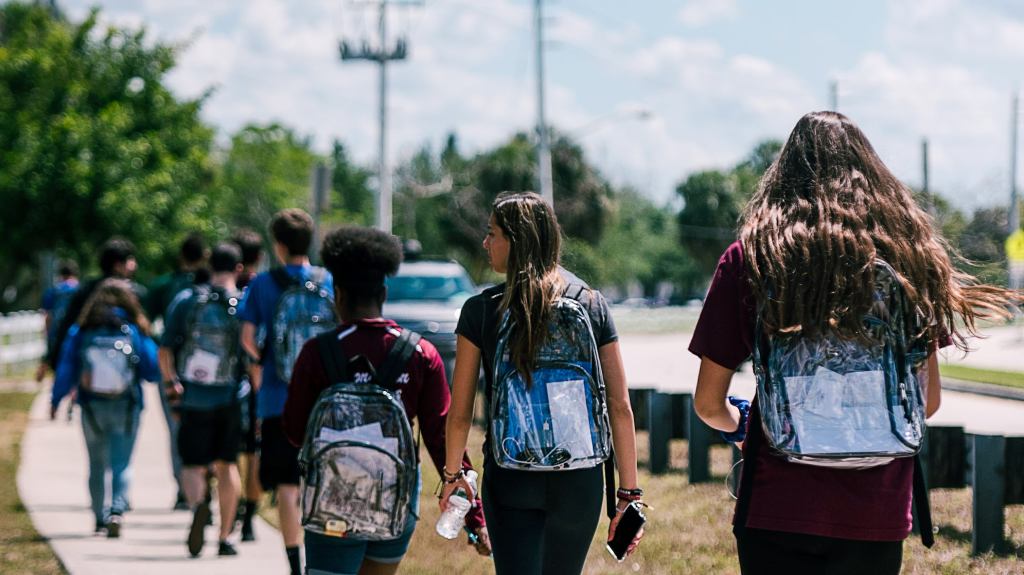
22	342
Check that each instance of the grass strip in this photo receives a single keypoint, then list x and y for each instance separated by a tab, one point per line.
992	376
23	550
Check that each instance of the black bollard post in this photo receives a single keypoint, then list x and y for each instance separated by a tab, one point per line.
699	435
988	489
659	422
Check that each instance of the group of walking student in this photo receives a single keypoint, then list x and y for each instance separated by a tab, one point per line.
839	287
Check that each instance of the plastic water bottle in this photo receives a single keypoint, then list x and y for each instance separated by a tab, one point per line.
452	520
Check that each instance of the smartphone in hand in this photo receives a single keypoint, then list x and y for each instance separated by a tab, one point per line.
632	520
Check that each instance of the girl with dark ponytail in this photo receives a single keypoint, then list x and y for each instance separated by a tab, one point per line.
539	522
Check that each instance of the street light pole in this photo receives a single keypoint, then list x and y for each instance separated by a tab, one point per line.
547	190
1014	219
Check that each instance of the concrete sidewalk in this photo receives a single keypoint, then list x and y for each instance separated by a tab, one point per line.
52	485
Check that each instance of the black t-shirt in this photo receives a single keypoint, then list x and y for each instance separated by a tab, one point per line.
480	319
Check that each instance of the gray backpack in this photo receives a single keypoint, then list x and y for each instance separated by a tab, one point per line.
359	459
559	422
834	401
210	350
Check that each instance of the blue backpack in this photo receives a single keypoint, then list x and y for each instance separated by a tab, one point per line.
835	401
559	422
304	309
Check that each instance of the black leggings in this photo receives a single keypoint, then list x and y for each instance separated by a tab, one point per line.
541	523
772	552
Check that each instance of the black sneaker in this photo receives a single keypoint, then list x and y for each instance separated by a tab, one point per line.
180	504
247	532
101	526
114	526
226	549
196	531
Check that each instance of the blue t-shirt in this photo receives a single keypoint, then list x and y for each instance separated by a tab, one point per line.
175	331
55	302
258	308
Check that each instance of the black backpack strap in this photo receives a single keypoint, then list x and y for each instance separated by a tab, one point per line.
574	291
335	362
750	451
609	485
398	356
922	507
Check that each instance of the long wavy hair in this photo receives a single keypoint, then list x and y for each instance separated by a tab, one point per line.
823	212
532	281
112	293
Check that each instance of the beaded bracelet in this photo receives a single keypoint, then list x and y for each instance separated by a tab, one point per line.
449	477
629	494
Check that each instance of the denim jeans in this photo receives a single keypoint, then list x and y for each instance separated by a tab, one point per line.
110	427
326	555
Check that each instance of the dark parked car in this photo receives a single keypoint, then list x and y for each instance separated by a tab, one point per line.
426	296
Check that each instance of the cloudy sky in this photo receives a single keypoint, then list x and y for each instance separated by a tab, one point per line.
716	76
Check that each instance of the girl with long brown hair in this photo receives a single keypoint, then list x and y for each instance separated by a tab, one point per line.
538	522
805	266
104	359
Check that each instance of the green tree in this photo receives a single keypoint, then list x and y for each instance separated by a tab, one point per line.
582	196
266	169
93	143
641	245
353	200
713	201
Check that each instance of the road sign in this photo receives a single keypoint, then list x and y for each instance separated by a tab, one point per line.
1015	246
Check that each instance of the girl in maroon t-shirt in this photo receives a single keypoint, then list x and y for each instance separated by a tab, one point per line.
359	259
824	211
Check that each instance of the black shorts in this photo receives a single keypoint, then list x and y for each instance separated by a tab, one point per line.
279	459
208	435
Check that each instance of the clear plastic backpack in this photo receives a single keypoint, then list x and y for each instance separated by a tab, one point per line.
561	421
109	361
358	461
834	401
209	354
304	309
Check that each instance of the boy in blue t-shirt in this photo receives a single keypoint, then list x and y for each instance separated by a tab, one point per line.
56	300
292	232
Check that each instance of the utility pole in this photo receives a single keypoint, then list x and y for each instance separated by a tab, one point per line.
1014	219
320	197
382	54
924	179
547	189
833	93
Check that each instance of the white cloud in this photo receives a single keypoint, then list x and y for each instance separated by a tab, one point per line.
698	13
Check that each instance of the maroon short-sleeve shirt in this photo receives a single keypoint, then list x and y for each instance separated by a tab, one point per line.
869	504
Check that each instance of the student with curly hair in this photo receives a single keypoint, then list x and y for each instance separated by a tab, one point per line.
359	259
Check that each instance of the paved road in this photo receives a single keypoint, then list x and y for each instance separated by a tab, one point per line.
52	485
662	362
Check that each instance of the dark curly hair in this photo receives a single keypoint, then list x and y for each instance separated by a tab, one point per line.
359	259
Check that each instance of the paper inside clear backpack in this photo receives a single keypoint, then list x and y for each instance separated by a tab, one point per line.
845	402
551	425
